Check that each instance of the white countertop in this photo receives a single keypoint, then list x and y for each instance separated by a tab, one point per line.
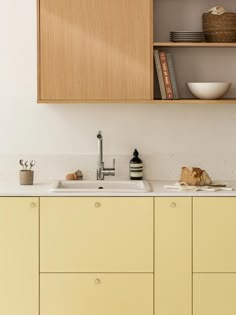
43	189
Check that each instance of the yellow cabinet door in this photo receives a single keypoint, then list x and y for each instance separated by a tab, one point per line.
96	234
214	294
173	256
93	50
100	294
19	261
214	234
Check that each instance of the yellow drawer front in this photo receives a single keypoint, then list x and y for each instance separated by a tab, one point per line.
100	294
173	261
96	234
19	255
214	294
214	234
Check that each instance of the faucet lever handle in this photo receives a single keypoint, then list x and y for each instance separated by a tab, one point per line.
114	164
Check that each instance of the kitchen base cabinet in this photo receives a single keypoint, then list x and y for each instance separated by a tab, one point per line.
100	294
118	255
19	268
96	234
173	256
214	234
214	294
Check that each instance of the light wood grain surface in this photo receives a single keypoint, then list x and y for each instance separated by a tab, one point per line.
95	50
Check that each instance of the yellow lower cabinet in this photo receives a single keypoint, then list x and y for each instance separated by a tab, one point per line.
214	234
96	294
214	294
173	256
19	260
96	234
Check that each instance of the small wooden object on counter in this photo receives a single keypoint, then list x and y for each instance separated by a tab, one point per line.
26	177
78	175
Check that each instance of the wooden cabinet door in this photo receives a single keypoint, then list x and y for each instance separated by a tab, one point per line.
100	294
173	256
214	294
19	270
93	50
96	234
214	234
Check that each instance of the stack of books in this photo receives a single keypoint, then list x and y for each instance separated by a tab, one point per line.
166	75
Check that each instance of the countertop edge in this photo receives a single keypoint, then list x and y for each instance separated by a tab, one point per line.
43	190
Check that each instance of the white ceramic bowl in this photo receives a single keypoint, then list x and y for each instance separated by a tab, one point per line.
208	90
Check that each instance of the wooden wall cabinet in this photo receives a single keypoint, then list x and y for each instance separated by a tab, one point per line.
95	51
102	51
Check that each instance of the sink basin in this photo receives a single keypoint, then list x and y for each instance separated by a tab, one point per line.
101	186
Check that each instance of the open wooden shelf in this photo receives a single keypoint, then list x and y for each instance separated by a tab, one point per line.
192	61
195	101
188	44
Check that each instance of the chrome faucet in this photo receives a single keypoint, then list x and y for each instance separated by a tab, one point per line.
101	170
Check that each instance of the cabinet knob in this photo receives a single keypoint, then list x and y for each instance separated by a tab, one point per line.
173	205
97	205
97	281
33	205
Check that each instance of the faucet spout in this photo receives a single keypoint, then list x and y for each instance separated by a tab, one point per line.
100	149
101	170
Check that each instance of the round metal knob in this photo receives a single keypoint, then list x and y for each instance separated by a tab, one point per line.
97	281
173	205
33	205
97	205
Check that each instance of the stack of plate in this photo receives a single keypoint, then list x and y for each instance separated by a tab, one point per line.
187	36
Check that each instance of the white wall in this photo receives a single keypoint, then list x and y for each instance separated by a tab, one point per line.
167	136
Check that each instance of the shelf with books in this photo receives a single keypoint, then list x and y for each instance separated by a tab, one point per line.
192	65
190	44
191	61
166	75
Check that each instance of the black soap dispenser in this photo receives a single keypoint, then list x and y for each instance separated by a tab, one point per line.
136	167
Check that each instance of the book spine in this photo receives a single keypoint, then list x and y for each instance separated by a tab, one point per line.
159	74
172	75
166	76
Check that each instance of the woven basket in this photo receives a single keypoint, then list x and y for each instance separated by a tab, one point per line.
219	28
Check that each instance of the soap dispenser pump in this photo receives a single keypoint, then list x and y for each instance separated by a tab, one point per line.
136	167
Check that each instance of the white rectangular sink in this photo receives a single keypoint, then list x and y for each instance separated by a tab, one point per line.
101	186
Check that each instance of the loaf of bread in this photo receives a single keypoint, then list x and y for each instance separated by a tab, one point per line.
195	176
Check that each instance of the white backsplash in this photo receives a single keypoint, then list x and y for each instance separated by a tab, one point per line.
62	138
156	167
